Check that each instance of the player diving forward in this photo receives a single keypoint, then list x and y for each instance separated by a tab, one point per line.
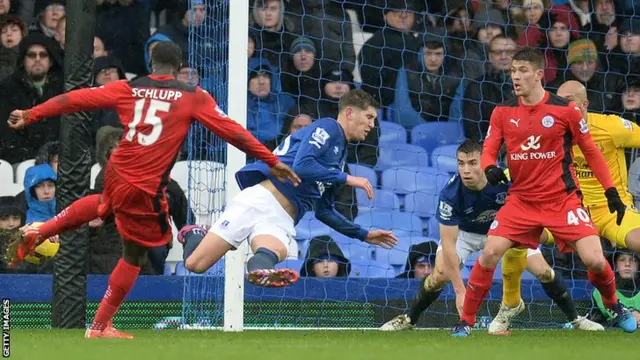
611	134
156	112
539	130
467	206
266	211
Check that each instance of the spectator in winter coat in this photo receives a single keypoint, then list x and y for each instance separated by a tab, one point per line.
300	74
106	69
48	154
274	32
420	261
625	59
13	30
148	47
37	78
603	26
324	259
470	54
40	193
563	29
487	25
11	218
334	84
50	13
178	30
631	101
266	106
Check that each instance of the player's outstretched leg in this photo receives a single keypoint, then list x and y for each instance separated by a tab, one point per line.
480	282
601	275
121	281
268	251
429	291
514	263
556	289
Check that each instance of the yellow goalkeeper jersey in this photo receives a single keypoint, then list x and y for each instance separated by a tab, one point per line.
611	135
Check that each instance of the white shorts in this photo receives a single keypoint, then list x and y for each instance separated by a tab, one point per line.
469	243
255	211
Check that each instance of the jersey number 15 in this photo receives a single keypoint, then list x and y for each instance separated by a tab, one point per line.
150	118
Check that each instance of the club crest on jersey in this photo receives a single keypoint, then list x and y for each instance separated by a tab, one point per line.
494	225
501	197
224	224
583	126
626	123
548	121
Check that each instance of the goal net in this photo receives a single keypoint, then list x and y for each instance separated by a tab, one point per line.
437	73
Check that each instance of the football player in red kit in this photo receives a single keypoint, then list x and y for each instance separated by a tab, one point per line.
156	112
539	130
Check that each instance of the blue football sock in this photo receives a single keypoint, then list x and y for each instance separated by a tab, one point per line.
262	259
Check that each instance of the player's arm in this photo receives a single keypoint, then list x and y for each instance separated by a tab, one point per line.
448	219
311	149
74	101
490	149
625	134
209	114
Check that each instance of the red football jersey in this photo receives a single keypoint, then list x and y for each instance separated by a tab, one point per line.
156	112
539	140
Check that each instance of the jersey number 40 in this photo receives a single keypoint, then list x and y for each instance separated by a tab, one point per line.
150	117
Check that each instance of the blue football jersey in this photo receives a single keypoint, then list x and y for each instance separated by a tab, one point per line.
472	211
317	153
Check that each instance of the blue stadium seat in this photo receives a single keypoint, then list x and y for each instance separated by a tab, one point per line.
391	133
167	269
391	155
290	264
398	222
353	249
382	200
434	228
445	158
395	256
434	134
404	180
421	203
365	172
310	227
371	269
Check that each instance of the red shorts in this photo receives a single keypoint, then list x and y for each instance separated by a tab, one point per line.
140	217
523	222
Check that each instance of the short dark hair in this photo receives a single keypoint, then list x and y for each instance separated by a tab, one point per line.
434	45
469	147
167	53
358	98
531	55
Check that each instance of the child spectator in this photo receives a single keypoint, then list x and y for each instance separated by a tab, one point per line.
325	259
420	261
631	101
40	193
13	30
11	218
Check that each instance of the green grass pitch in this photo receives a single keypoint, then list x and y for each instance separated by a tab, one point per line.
326	345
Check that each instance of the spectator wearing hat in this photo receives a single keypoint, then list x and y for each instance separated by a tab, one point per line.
11	218
178	30
420	261
106	69
13	30
266	105
324	259
388	50
603	89
603	26
631	100
50	12
487	25
625	59
300	75
124	28
274	32
563	29
470	55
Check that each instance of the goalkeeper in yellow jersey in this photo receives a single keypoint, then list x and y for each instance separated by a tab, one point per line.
611	135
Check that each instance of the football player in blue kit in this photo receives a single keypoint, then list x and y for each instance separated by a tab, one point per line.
466	209
266	210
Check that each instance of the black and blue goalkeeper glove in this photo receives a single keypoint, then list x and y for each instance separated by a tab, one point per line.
615	204
495	175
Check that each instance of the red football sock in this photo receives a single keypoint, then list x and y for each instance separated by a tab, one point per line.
605	282
120	283
75	215
477	289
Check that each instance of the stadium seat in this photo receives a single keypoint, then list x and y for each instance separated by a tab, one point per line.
95	170
382	200
309	227
445	158
395	256
22	169
434	228
398	222
10	189
434	134
167	269
353	249
371	269
392	133
6	172
365	172
391	155
407	179
421	203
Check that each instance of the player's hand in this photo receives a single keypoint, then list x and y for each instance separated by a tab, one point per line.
460	300
382	238
282	172
16	120
615	204
495	175
362	183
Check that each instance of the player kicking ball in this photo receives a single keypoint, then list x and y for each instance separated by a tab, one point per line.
156	112
539	130
266	210
467	206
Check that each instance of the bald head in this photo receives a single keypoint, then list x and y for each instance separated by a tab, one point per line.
576	92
